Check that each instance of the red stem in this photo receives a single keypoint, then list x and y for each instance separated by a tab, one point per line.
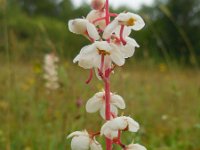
107	99
121	35
102	62
107	17
99	19
113	15
107	83
90	77
87	35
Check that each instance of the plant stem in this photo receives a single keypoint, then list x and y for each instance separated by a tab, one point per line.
107	83
107	98
107	17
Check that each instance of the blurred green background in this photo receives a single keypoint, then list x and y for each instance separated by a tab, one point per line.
161	83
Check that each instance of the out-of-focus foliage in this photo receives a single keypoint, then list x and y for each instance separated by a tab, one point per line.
174	29
172	32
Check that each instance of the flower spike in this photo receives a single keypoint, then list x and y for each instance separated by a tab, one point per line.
110	46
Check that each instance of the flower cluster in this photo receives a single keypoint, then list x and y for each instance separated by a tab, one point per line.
50	68
110	47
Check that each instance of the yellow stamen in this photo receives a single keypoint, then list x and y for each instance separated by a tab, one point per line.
103	52
131	22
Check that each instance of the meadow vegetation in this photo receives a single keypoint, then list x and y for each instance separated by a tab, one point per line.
164	100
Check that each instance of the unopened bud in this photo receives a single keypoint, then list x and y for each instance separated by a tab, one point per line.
98	4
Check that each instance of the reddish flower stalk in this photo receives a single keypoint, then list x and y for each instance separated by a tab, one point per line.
99	19
121	35
107	83
87	35
90	77
113	15
109	48
107	12
107	97
102	62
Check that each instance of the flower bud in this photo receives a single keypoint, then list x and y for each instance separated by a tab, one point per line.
97	4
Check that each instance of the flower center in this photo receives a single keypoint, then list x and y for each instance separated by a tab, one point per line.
131	22
103	52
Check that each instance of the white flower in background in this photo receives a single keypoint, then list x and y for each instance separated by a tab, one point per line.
97	103
90	55
135	147
81	140
84	27
129	20
95	14
50	68
98	4
110	128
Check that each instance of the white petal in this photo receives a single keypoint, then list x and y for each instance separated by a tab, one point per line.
135	147
132	42
94	145
103	45
139	23
97	61
107	63
116	56
133	126
86	57
76	59
77	26
95	103
94	14
123	17
110	29
81	137
108	132
102	112
86	61
129	49
88	49
113	109
92	31
77	133
80	143
116	124
118	101
126	32
97	73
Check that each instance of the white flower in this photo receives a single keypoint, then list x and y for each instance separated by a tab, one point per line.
110	128
90	55
129	20
81	140
95	14
135	147
84	27
97	103
128	48
51	75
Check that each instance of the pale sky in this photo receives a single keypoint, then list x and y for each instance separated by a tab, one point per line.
135	4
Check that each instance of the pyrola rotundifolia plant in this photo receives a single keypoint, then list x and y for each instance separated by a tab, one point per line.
50	71
110	46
